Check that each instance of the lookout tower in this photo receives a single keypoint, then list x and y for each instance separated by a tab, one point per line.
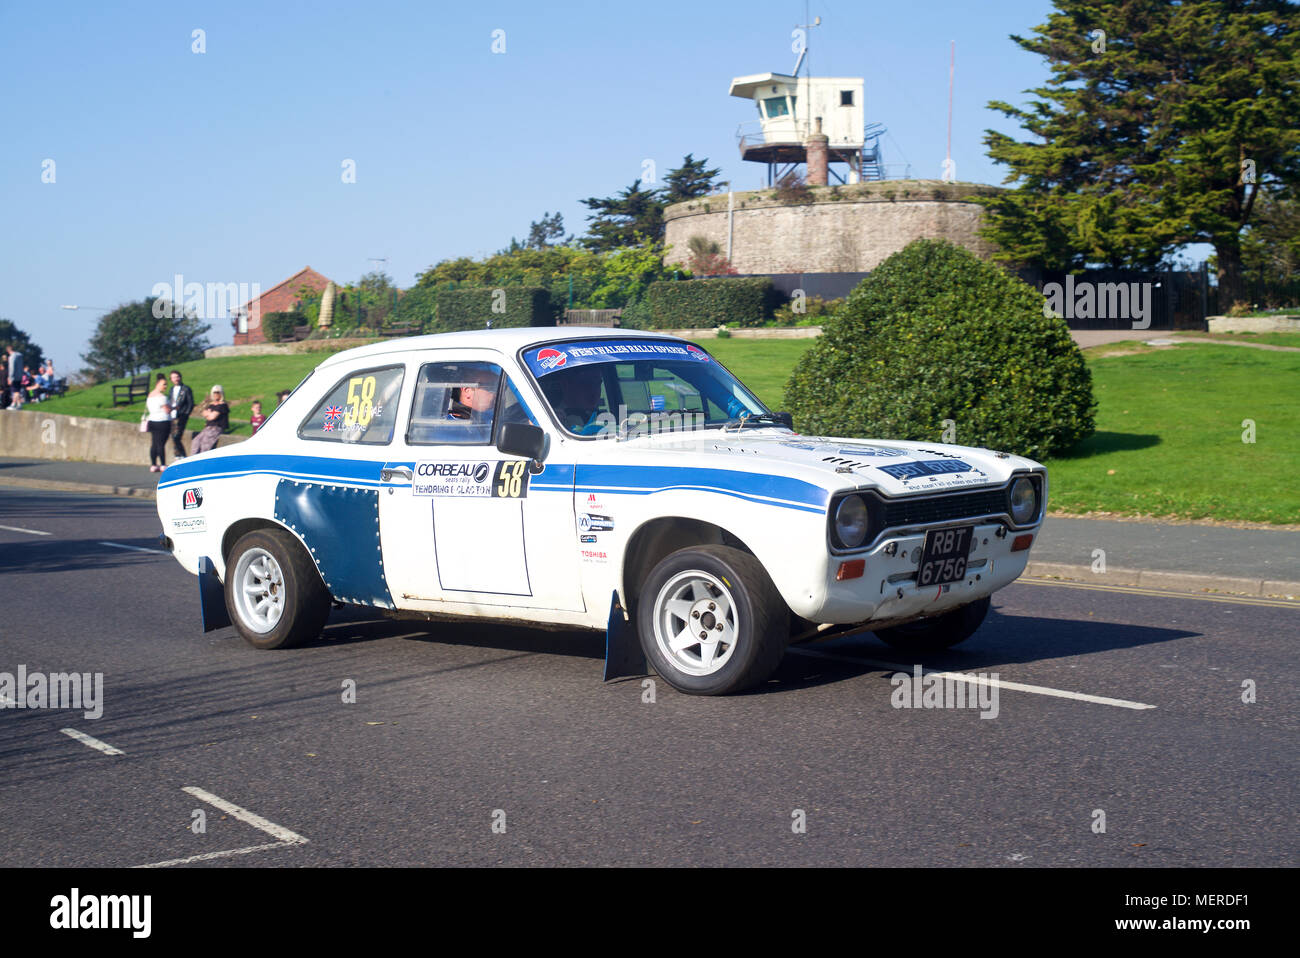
813	120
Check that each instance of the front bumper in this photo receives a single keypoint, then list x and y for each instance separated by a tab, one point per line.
887	592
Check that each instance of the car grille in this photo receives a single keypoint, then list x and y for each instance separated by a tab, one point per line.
926	510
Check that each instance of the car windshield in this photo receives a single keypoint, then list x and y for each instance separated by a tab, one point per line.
625	387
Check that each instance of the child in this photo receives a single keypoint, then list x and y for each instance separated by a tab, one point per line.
257	418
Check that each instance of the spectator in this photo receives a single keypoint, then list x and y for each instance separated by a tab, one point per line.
15	370
217	413
281	396
159	423
257	418
182	400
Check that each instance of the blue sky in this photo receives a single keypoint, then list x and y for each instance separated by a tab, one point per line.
225	166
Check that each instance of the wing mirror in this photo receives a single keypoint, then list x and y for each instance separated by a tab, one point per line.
785	419
521	439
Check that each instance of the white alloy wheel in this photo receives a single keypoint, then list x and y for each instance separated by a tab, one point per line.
259	590
695	622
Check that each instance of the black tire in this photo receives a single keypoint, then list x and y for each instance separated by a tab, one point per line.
939	632
293	583
749	640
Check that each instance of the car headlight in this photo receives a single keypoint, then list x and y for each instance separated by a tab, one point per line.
1023	500
851	522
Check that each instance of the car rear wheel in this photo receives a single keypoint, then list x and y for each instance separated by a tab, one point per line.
939	632
711	621
274	594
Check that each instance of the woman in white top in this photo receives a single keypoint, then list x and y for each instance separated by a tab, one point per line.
159	419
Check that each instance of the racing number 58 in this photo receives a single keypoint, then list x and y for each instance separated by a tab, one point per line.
361	405
512	479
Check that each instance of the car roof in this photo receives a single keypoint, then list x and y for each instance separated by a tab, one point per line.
505	341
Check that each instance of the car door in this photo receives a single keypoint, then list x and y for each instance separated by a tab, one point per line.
460	521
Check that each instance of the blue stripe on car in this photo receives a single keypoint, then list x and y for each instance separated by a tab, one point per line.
781	491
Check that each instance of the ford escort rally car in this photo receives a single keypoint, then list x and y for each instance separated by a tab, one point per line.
605	479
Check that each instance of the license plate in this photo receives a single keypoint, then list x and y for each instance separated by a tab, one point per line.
944	557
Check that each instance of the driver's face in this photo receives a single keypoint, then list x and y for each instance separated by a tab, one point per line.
479	398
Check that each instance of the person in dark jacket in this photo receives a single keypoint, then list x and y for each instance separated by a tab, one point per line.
182	402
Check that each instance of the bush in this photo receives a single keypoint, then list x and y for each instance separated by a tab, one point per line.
279	326
501	306
815	312
933	334
705	303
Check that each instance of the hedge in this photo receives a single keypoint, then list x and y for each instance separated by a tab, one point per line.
937	338
499	306
278	326
702	303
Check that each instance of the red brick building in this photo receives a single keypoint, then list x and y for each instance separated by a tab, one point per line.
248	324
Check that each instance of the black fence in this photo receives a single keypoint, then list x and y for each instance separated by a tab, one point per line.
825	285
1125	299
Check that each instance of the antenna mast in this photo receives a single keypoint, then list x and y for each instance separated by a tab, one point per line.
949	169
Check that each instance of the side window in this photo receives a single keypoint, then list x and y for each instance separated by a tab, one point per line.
456	404
362	408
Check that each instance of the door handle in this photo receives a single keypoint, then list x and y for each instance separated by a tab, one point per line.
387	474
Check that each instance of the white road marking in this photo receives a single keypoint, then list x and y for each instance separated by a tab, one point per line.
209	856
30	532
244	815
118	545
981	680
94	743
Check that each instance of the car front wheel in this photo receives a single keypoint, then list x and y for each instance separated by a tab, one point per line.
940	631
274	594
711	621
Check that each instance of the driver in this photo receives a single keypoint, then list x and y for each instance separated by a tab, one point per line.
574	394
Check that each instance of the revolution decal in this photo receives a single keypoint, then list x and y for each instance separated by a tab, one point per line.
548	359
192	524
507	479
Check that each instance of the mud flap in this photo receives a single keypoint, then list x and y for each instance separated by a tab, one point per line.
212	597
623	654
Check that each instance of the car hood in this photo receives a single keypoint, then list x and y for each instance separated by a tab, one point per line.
895	468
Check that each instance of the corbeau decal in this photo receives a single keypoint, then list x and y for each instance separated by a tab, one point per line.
485	480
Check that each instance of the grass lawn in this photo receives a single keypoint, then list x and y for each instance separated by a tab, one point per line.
1270	339
763	365
244	378
1169	437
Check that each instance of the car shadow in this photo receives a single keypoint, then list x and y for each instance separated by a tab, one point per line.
1001	640
38	556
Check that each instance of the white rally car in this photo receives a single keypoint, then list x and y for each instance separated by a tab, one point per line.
604	479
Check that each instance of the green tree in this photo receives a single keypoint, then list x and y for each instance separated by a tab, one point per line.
1271	247
549	231
689	180
634	214
620	220
1160	124
143	335
11	335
